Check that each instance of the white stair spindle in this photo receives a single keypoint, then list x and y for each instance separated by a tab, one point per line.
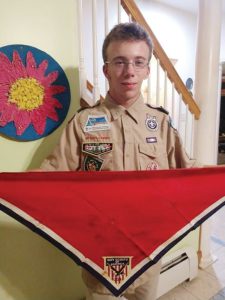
130	18
96	93
83	79
149	90
173	101
186	127
119	11
179	112
158	83
165	104
106	10
191	138
189	132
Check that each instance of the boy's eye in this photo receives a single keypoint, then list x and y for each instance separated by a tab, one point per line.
119	63
139	63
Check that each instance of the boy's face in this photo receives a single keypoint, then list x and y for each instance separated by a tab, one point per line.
124	78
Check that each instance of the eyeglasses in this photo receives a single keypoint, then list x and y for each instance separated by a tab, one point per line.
120	64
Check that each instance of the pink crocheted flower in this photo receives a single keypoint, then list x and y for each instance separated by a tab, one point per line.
27	94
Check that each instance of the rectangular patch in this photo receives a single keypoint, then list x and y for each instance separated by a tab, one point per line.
96	148
152	139
95	138
96	123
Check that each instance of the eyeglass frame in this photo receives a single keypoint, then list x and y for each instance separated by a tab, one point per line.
126	63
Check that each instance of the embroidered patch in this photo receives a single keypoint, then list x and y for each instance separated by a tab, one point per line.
151	123
152	139
95	138
117	268
96	148
152	166
96	123
92	163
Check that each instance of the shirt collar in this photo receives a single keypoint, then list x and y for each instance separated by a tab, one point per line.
136	108
117	110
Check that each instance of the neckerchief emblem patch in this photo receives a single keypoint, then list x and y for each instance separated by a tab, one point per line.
151	123
96	123
92	163
117	268
96	148
152	166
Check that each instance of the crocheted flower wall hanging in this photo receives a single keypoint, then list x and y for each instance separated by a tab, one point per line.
34	93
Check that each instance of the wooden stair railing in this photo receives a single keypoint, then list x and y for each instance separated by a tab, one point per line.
90	87
131	9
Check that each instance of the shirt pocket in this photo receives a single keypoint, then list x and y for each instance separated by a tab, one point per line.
152	157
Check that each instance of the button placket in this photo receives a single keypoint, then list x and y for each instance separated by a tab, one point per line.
127	131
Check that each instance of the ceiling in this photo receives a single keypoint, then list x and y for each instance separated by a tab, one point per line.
187	5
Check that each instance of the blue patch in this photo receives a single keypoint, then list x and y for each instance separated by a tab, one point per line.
96	123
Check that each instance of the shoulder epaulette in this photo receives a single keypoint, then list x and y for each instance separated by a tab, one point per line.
83	108
88	106
160	108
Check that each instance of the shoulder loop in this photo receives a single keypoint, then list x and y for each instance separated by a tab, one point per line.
83	108
159	108
88	106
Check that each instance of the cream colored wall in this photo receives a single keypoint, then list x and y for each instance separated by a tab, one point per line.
30	267
50	26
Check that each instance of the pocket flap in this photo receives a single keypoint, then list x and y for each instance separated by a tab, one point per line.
152	150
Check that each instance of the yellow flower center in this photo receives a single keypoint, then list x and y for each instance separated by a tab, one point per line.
26	93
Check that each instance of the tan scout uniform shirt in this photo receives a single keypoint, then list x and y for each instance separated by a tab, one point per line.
111	137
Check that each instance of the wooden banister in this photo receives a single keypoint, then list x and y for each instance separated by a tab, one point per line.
131	9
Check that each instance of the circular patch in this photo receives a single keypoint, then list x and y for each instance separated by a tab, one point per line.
151	123
34	93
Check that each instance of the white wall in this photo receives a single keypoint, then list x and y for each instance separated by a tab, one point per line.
176	31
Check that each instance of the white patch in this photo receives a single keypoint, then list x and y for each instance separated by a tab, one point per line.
97	123
151	123
152	139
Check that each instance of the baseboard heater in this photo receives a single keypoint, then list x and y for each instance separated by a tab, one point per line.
177	267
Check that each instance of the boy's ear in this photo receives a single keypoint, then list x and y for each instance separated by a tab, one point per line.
148	72
105	71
